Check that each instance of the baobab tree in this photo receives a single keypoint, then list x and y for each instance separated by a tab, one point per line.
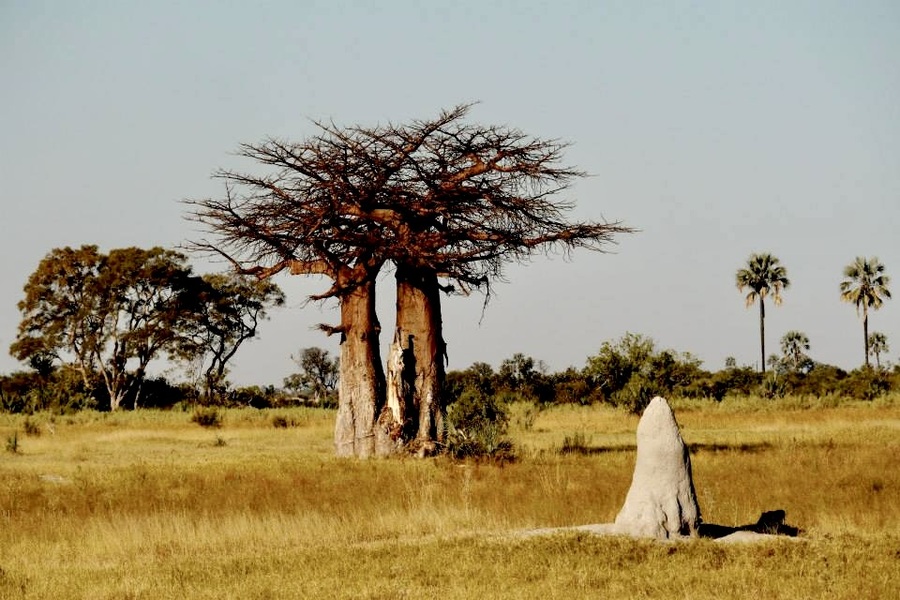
467	199
866	286
763	275
267	230
441	200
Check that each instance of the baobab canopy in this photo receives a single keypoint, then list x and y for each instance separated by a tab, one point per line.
440	199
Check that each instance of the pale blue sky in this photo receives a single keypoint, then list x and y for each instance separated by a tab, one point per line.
717	128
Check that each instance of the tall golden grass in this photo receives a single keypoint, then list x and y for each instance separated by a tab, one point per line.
150	505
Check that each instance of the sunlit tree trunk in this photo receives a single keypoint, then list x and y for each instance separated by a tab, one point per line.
362	382
392	429
419	339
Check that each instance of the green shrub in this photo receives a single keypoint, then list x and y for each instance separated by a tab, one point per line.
772	387
637	394
577	443
571	387
157	392
477	426
866	384
207	416
283	422
31	428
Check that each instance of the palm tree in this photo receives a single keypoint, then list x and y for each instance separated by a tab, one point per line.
865	285
794	345
878	345
763	275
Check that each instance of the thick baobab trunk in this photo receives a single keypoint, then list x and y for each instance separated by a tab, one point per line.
361	392
417	362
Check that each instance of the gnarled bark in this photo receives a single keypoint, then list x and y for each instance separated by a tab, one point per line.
419	339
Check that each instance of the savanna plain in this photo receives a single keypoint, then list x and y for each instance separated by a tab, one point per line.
147	504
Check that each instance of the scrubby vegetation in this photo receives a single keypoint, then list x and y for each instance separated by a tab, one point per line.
146	504
624	374
628	372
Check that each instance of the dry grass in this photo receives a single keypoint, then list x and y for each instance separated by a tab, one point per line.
149	505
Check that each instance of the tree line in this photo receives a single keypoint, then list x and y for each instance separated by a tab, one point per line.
865	284
93	322
445	204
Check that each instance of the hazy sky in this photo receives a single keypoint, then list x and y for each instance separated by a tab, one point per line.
717	128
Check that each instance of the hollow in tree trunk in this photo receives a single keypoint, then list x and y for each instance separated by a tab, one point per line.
417	362
362	384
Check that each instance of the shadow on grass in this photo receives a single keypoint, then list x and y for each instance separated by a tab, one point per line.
741	448
769	523
582	449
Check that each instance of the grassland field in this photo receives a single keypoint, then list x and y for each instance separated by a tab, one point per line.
148	504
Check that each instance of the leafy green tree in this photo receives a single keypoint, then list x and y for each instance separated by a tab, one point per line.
742	380
105	314
866	286
319	375
762	276
877	346
613	367
818	380
222	312
521	378
794	346
571	386
46	387
631	371
479	377
865	383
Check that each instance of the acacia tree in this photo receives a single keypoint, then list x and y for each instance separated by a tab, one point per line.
440	199
318	374
763	275
866	286
222	312
103	314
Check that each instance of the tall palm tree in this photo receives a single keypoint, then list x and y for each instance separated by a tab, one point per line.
878	345
865	285
794	345
763	275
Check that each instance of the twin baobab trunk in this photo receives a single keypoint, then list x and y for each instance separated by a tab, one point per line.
362	376
415	406
379	416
